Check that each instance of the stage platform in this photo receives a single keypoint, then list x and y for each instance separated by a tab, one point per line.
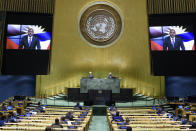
141	101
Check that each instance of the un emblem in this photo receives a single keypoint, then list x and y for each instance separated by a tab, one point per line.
100	24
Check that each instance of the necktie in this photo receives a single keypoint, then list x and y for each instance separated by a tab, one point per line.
173	42
30	40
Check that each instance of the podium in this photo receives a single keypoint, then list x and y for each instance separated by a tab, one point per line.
97	91
112	84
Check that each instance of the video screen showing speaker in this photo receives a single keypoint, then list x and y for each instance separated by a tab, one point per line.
28	37
27	43
171	38
172	44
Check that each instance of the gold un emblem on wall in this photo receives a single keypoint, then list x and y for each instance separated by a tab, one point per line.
100	24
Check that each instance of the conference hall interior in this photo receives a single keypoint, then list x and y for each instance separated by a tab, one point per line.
97	65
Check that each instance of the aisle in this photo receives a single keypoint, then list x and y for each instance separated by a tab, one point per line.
99	123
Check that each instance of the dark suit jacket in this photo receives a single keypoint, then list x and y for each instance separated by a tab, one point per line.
90	76
35	43
110	76
178	43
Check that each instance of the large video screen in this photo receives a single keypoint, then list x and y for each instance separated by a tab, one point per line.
27	43
171	38
33	37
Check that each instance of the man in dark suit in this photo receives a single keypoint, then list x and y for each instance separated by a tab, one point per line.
30	41
173	43
90	75
110	75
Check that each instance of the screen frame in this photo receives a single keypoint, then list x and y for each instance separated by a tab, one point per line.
193	32
20	37
22	59
170	63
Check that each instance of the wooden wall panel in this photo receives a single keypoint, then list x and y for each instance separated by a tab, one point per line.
171	6
31	6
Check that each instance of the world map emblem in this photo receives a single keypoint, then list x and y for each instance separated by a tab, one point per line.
100	25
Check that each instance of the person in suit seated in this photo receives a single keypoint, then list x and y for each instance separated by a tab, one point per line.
57	124
30	41
193	125
10	106
2	119
90	75
159	110
3	107
48	128
187	106
110	75
13	117
129	128
173	43
39	108
69	116
78	106
127	122
63	121
184	120
117	117
112	108
39	103
177	118
28	101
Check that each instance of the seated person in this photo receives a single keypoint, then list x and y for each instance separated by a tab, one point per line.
33	112
10	106
184	121
159	110
3	107
28	101
193	125
78	106
63	121
57	124
129	128
13	117
110	75
90	75
48	128
175	118
2	119
170	115
39	108
39	103
69	116
112	108
126	122
117	117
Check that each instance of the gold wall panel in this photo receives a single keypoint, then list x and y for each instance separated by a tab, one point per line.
72	58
